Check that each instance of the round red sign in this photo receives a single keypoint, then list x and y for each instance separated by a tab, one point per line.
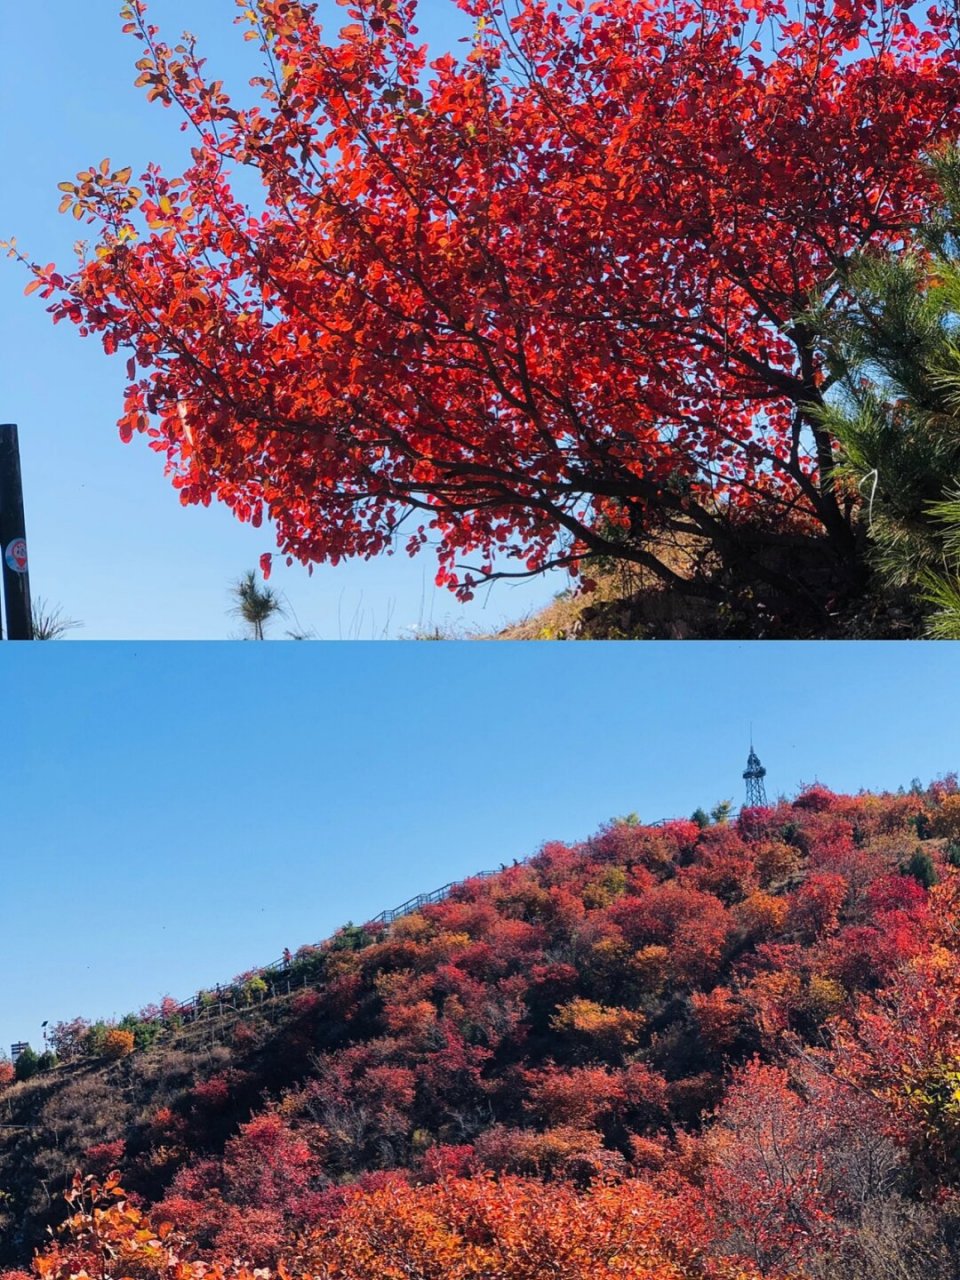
16	555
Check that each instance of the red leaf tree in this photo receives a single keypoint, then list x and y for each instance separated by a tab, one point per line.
537	303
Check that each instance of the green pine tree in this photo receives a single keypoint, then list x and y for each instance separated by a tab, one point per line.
890	331
255	605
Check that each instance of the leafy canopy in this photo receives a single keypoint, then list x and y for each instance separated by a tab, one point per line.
535	302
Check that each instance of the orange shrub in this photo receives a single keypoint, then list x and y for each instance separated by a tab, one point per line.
516	1229
775	862
947	821
609	1028
458	1229
761	914
117	1044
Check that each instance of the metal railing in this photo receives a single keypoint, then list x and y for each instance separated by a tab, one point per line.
426	899
222	996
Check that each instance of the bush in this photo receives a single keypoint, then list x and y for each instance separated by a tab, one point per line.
243	1035
68	1039
144	1030
27	1065
308	966
921	868
352	937
922	825
253	990
947	820
94	1038
102	1157
118	1043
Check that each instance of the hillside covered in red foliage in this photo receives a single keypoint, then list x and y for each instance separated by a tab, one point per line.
700	1049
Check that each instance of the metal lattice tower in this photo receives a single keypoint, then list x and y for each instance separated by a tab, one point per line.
754	775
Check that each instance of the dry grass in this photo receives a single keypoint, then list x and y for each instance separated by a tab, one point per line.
627	603
563	618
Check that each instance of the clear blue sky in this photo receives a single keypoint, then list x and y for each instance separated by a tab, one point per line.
108	538
174	814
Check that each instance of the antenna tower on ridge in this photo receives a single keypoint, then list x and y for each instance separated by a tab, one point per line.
754	775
